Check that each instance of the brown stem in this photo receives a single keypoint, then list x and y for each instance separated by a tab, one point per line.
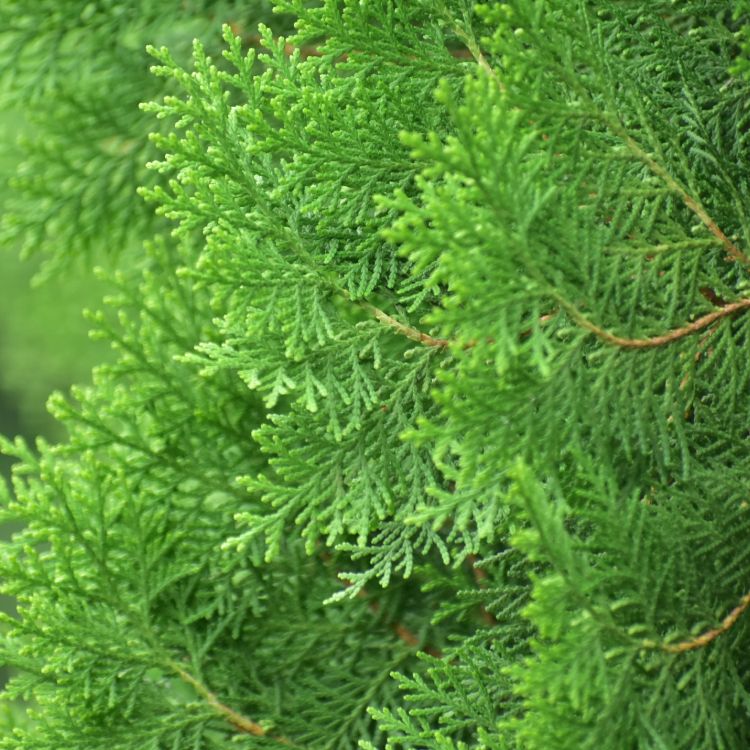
665	338
705	638
238	721
692	203
411	333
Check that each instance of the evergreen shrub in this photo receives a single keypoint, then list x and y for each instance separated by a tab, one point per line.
428	422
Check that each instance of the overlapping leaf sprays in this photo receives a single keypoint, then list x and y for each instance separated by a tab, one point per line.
444	354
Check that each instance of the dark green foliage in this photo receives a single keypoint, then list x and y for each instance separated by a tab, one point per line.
444	353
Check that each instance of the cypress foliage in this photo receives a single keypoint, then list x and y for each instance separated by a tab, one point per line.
428	422
76	72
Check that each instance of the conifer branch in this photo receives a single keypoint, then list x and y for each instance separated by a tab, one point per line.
411	333
692	203
665	338
475	52
704	639
238	721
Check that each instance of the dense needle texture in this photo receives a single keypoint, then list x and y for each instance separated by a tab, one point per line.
428	424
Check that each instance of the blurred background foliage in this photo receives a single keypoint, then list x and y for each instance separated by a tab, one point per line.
44	344
73	149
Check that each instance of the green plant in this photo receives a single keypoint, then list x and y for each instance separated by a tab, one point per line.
75	72
427	426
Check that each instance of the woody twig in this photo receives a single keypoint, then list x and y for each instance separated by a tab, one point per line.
662	339
241	723
702	640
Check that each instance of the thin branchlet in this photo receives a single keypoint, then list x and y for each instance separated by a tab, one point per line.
238	721
705	638
610	338
662	339
405	330
689	200
692	202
